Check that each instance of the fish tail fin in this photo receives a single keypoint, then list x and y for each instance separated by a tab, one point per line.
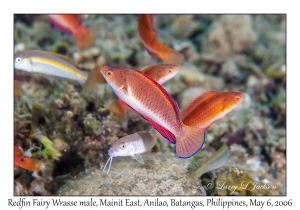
17	88
191	142
84	37
118	108
93	78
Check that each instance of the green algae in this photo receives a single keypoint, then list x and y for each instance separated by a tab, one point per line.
95	125
48	150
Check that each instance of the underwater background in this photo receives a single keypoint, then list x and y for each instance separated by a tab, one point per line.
71	130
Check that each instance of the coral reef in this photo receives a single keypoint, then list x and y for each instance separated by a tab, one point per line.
229	35
162	174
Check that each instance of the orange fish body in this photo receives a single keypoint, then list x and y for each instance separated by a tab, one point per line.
210	107
151	101
71	24
152	44
159	73
26	163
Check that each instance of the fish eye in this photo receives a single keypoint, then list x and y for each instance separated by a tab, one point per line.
18	59
122	146
237	98
109	73
170	70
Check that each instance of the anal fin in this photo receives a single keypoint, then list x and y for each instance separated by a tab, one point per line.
164	132
118	108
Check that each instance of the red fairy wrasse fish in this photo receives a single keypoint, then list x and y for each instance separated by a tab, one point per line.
159	73
132	145
30	164
151	101
71	24
216	160
209	107
48	63
152	44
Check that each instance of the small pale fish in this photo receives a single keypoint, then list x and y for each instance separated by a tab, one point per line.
209	107
151	101
160	73
216	160
132	145
70	23
154	47
29	164
48	63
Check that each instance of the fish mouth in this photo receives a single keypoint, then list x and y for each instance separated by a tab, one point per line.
110	153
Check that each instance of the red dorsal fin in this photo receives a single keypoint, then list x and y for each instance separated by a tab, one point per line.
164	132
163	90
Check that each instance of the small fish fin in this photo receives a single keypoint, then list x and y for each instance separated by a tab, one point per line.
93	78
152	132
196	103
64	57
171	56
219	121
17	88
99	76
138	157
148	69
191	142
118	108
164	132
84	37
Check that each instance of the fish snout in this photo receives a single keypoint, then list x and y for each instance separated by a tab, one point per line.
243	96
111	153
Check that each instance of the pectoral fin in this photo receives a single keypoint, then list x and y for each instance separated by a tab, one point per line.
138	157
118	108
